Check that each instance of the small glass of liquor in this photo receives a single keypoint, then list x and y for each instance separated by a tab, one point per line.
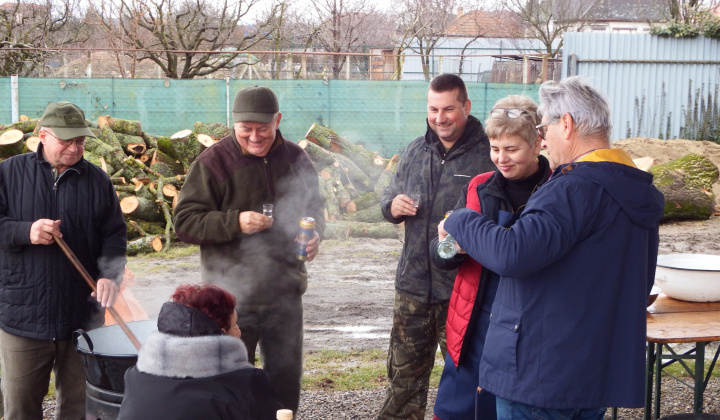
268	210
415	199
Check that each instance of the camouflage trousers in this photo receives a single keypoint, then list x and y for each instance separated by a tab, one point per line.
417	330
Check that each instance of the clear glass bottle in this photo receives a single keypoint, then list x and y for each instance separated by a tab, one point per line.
448	247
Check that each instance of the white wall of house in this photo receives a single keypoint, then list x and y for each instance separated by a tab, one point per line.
617	27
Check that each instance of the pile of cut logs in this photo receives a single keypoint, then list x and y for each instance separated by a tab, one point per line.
148	172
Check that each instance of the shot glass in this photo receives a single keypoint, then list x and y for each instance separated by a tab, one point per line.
268	210
416	200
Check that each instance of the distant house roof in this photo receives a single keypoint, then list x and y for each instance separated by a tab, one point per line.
497	24
629	11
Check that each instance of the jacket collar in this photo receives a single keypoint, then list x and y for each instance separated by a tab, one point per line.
191	357
497	183
40	157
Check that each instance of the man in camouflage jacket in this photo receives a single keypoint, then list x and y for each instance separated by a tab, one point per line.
436	166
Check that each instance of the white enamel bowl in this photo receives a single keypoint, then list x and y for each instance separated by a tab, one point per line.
691	277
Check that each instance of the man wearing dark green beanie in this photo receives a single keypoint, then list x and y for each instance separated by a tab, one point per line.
252	255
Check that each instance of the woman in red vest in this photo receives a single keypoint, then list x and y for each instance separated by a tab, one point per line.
502	195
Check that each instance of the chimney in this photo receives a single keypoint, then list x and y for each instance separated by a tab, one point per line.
459	11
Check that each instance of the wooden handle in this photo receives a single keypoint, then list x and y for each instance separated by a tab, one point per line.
85	275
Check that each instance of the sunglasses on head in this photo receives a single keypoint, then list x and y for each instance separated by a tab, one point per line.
510	112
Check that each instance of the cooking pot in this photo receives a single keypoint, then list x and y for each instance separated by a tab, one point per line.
691	277
107	352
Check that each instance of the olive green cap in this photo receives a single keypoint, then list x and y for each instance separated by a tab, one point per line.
66	120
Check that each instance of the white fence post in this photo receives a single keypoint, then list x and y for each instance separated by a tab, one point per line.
14	98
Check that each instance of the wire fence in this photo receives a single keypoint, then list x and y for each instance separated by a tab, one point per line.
383	116
374	64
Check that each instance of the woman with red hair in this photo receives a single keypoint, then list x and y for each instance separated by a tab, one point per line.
195	366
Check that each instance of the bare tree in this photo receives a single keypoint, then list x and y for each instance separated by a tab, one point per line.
424	23
26	26
687	10
341	26
548	20
180	36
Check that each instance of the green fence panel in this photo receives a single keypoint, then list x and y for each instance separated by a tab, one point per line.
383	116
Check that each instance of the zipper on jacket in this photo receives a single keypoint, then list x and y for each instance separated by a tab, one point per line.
56	216
271	187
434	186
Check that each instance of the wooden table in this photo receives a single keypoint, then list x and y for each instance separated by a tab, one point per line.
676	321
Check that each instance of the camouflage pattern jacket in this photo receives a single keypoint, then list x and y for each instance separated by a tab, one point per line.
439	177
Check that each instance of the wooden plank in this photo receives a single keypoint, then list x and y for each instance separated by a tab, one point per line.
665	304
683	327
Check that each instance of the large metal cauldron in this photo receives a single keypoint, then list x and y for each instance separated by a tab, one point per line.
106	354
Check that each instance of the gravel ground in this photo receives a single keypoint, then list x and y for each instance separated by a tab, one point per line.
364	405
316	405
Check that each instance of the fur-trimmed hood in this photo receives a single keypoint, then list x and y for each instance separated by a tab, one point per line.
191	357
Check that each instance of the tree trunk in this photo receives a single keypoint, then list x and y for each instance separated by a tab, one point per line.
369	162
374	196
215	130
32	143
131	145
145	245
11	143
686	183
27	126
187	147
141	208
350	174
139	228
174	165
320	157
99	161
371	215
165	145
131	128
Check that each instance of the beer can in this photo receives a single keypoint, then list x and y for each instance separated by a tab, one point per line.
305	234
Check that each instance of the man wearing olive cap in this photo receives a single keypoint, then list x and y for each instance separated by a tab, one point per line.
43	298
251	255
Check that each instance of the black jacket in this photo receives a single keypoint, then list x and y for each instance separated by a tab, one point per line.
439	177
42	295
187	371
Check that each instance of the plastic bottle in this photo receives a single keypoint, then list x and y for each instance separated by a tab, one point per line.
448	247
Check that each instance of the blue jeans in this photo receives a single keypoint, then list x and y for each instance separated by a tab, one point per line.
511	410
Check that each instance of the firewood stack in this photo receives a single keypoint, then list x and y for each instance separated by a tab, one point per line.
148	172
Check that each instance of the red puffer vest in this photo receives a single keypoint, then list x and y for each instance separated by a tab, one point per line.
466	285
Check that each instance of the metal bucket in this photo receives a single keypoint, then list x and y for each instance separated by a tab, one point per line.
107	353
101	404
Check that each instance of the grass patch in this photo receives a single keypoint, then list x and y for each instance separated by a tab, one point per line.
148	263
677	370
352	370
177	250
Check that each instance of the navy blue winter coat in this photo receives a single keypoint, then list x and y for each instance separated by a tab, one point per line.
42	295
568	327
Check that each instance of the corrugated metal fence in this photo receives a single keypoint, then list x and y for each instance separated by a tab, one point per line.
651	82
384	116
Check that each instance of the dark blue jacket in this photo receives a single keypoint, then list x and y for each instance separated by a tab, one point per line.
568	326
42	295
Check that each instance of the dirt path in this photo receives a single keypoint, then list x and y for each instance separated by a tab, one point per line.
350	294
